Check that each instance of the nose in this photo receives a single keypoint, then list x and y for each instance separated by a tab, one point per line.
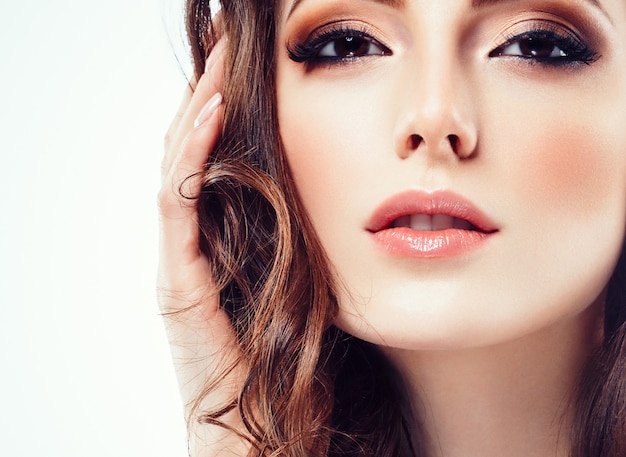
438	114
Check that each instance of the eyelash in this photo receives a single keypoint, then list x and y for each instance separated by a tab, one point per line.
308	52
573	50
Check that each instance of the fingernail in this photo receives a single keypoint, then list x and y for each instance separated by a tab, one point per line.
208	109
215	53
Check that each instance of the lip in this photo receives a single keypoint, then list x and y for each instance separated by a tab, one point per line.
409	242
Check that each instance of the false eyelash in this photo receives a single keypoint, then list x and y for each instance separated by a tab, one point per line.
307	51
577	52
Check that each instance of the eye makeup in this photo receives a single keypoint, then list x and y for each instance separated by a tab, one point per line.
541	34
340	42
547	43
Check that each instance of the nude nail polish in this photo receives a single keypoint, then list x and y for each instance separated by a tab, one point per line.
208	109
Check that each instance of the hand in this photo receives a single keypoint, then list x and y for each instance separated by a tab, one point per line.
201	337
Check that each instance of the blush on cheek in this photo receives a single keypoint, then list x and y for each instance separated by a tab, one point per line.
327	147
569	167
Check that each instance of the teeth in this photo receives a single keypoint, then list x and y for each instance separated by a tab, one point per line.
442	222
421	222
428	223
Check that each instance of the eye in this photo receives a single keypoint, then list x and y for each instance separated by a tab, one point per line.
336	45
534	48
547	47
350	46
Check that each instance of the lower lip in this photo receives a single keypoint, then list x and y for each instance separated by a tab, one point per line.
407	242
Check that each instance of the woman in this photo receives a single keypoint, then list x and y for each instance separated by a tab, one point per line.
410	229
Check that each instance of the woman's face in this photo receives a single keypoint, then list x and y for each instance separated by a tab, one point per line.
463	162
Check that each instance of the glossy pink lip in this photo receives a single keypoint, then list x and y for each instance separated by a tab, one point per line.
406	241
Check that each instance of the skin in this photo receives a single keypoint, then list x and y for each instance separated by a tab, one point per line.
527	304
490	342
201	340
545	139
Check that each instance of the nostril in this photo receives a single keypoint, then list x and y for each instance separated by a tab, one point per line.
414	142
454	142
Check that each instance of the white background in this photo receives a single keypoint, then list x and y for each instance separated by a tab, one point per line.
87	90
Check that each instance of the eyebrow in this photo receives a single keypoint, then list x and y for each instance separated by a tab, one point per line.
475	4
479	3
393	3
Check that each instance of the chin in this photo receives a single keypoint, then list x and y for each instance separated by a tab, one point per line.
438	325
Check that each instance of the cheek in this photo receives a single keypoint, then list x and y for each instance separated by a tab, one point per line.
306	141
329	145
564	181
577	170
564	158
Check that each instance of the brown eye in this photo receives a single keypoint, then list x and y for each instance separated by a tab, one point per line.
350	46
540	48
547	47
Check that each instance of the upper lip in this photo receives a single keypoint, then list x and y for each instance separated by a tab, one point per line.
431	203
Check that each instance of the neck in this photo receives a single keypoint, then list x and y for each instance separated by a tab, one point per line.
514	399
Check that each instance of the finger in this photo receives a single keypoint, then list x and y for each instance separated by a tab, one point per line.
173	128
171	140
177	204
181	170
211	82
185	277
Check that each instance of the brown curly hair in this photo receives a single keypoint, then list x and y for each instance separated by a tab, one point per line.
310	389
